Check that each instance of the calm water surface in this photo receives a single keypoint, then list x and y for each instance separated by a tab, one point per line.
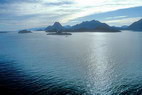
81	64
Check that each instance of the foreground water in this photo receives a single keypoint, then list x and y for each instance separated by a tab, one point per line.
81	64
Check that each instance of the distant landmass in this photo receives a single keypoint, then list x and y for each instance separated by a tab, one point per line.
59	33
3	31
58	29
55	27
136	26
87	26
24	31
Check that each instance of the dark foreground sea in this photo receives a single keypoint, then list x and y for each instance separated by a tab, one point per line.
80	64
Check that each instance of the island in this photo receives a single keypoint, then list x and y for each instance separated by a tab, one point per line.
62	33
3	32
57	29
24	31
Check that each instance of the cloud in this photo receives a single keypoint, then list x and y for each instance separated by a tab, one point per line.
111	15
124	21
41	12
96	7
59	3
116	17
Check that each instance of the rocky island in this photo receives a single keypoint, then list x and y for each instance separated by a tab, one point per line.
57	29
24	31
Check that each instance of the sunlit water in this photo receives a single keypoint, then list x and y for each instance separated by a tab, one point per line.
80	64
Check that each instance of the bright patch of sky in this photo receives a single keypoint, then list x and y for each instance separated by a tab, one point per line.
21	14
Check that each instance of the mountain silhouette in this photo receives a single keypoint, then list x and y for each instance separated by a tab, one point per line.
55	27
137	26
87	26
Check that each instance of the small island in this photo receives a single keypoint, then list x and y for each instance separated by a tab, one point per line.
24	31
59	33
3	32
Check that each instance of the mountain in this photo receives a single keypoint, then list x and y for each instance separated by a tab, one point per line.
93	26
55	27
137	26
124	27
67	26
87	26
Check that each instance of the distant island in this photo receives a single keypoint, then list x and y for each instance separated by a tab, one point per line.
87	26
58	29
3	32
61	33
24	31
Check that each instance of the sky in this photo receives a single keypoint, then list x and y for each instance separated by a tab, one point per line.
24	14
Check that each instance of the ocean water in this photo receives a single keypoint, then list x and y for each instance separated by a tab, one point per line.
80	64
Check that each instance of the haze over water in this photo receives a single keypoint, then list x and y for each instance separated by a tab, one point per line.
81	64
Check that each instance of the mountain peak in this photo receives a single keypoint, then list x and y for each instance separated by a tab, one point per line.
55	27
94	21
57	24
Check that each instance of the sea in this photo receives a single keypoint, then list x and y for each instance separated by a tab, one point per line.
88	63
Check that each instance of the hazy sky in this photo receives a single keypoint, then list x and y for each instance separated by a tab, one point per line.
21	14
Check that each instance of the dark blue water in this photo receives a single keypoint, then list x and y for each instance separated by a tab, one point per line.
81	64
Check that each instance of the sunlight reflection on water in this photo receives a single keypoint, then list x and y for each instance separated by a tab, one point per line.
84	63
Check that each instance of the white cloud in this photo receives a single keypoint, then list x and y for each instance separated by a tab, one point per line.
117	17
100	6
47	11
120	22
